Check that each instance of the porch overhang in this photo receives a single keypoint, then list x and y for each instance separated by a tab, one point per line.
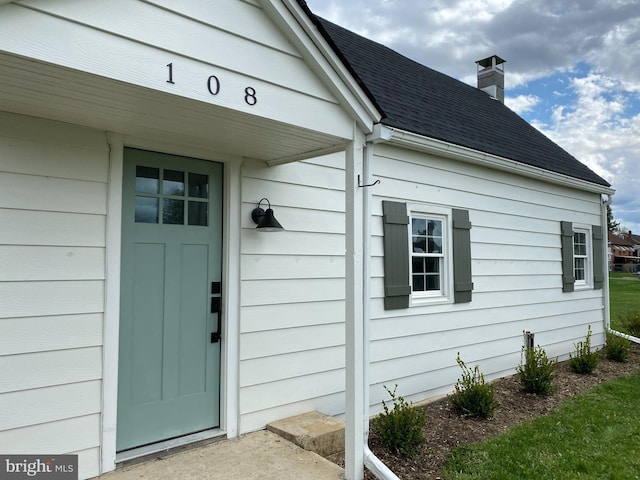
40	89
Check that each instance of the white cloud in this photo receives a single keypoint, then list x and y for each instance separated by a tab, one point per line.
596	131
522	103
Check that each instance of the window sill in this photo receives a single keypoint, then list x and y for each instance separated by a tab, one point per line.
426	301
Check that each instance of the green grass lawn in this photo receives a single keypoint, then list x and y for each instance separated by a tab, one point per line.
592	436
624	295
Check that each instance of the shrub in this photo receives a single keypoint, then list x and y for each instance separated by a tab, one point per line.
536	374
472	395
585	361
617	348
630	322
400	429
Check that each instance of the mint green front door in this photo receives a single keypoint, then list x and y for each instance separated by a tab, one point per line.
169	357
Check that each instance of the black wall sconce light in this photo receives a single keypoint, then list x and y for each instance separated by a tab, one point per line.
264	219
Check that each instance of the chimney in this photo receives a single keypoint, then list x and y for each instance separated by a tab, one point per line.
491	76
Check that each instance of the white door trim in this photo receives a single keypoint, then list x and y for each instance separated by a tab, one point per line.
112	304
230	359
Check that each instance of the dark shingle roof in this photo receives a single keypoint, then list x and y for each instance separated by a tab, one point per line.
420	100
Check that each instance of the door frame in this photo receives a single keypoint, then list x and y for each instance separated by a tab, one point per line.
229	355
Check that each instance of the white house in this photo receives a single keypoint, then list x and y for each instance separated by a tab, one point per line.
140	308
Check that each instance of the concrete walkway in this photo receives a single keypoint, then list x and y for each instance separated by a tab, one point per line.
257	456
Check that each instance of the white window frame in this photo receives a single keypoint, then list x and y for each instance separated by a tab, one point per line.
587	281
445	294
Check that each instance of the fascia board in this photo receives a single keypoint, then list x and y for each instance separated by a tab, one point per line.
413	141
289	16
308	155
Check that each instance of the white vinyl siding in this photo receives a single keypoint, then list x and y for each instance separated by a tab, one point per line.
516	268
292	290
52	245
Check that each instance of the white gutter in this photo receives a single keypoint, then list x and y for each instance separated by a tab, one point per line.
441	148
606	301
631	338
373	463
606	298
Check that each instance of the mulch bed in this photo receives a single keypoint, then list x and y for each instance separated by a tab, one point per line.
446	429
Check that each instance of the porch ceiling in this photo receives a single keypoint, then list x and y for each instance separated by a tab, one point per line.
43	90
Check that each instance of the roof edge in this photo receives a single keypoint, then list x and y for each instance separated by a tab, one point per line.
317	21
414	141
299	24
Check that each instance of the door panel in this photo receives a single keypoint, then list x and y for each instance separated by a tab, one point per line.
169	370
147	330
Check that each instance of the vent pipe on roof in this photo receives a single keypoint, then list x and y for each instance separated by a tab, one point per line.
491	76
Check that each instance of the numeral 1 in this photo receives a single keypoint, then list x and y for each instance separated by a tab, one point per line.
170	66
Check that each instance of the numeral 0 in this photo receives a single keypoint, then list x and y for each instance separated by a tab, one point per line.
213	85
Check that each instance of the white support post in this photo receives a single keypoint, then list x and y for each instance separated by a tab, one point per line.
230	399
354	313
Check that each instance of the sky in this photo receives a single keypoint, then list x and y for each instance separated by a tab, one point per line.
572	67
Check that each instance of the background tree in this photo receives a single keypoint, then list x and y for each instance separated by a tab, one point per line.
613	226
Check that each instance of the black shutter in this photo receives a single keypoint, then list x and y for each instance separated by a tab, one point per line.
566	238
597	239
396	255
462	284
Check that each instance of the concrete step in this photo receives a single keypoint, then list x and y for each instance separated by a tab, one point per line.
313	431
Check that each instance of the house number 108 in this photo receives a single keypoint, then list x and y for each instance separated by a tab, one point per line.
213	87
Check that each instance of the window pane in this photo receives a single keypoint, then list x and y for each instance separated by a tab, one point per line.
433	282
419	226
435	228
173	183
198	213
579	269
147	179
579	243
435	236
435	245
146	210
432	265
173	212
419	245
426	274
198	185
418	265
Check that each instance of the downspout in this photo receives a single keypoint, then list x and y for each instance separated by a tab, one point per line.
606	299
373	463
